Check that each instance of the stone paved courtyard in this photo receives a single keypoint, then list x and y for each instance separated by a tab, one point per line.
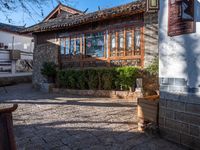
58	122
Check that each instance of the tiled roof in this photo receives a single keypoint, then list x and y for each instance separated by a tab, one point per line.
10	28
75	20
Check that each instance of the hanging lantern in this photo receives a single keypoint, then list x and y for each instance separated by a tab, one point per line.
152	5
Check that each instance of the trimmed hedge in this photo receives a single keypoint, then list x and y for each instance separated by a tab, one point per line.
120	78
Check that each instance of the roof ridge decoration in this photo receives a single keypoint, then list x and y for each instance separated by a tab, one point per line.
61	7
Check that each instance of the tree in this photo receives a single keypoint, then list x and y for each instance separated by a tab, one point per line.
30	7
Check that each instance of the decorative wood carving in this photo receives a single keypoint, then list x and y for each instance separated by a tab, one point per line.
181	17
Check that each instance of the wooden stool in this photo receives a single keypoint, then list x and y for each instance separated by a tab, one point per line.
7	140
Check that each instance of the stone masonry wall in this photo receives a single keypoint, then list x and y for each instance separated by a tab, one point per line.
150	37
179	116
43	53
15	80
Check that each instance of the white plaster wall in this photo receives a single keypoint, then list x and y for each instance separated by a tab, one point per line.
179	55
21	42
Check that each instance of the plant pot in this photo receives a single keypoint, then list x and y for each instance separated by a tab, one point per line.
148	108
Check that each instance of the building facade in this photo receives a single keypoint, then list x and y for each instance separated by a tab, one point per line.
179	48
11	41
121	36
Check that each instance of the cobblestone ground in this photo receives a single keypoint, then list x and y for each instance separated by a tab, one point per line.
58	122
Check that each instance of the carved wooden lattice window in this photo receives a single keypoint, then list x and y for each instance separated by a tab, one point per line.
78	46
67	46
113	44
117	47
62	46
121	43
72	47
129	42
137	41
126	42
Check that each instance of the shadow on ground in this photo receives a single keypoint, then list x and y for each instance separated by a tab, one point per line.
44	136
62	122
25	94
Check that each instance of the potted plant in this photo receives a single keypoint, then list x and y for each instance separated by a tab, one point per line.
148	106
49	71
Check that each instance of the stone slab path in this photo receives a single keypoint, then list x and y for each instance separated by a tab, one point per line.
59	122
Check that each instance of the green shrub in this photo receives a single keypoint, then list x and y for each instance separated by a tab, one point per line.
120	78
61	78
153	68
92	77
107	79
126	77
49	71
81	80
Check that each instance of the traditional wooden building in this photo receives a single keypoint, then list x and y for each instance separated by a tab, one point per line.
119	36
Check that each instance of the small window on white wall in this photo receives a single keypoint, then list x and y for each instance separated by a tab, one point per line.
25	46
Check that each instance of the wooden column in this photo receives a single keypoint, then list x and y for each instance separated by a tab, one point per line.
117	43
133	41
142	46
74	46
69	47
124	41
59	55
81	51
109	46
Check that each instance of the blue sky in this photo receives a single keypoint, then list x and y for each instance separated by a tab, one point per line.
20	18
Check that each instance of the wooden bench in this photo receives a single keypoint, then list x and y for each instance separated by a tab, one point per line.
7	140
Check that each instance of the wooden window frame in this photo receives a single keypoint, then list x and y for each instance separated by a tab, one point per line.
107	46
104	34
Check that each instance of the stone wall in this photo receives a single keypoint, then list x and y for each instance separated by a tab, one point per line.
150	37
180	112
47	52
15	80
126	95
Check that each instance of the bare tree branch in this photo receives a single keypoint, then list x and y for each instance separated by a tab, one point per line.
29	7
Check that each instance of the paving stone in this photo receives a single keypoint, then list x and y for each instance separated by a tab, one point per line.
63	122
